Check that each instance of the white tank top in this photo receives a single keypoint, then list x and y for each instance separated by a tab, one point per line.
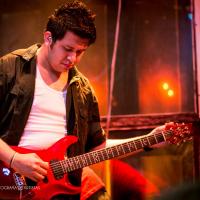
47	120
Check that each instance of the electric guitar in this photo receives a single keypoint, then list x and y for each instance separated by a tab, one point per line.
15	186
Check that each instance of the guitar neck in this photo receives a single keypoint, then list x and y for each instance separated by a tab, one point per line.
97	156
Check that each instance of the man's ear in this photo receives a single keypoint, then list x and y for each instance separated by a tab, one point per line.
48	37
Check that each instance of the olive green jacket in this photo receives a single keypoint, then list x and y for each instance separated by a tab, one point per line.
17	83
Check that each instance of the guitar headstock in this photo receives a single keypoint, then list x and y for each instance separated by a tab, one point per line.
178	132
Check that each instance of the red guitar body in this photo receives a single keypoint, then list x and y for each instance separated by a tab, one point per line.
43	190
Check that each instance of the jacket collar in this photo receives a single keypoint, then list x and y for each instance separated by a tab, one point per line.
74	75
28	53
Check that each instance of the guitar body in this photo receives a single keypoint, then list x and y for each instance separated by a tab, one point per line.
14	186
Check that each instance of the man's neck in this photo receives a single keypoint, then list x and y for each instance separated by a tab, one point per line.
53	79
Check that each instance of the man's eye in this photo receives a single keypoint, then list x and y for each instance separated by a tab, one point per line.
67	49
80	52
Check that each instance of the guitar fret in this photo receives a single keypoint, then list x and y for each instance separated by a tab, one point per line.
117	151
85	162
77	162
109	153
95	156
135	145
139	144
120	149
148	141
128	147
152	140
92	158
102	155
132	146
144	142
163	136
114	151
73	164
155	138
99	156
105	153
124	148
88	157
70	164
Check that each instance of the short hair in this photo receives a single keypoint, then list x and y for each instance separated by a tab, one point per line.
72	16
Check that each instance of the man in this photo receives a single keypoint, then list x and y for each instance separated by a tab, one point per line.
43	96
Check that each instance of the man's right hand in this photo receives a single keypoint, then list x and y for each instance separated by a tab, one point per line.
30	165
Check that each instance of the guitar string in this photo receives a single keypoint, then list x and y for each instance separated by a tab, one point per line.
77	159
102	152
58	166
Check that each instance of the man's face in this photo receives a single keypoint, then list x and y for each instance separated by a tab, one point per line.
67	52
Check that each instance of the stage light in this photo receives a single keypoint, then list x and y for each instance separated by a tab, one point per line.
170	93
165	86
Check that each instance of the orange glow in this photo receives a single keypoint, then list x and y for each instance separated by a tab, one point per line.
165	86
170	93
153	98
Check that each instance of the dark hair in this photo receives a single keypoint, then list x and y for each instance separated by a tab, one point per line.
75	17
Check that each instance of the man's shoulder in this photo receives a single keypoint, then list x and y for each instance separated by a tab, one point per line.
26	53
77	76
7	62
83	84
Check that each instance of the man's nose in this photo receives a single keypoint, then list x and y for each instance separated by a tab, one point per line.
72	57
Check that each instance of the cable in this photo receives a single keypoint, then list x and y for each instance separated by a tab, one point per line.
112	70
110	96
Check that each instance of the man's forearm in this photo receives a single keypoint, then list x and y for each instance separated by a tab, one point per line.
6	153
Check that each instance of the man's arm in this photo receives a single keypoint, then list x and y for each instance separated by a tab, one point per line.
29	165
114	142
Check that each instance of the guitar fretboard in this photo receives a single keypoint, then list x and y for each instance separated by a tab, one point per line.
77	162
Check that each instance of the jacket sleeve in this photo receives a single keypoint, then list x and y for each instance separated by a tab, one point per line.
7	71
96	133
